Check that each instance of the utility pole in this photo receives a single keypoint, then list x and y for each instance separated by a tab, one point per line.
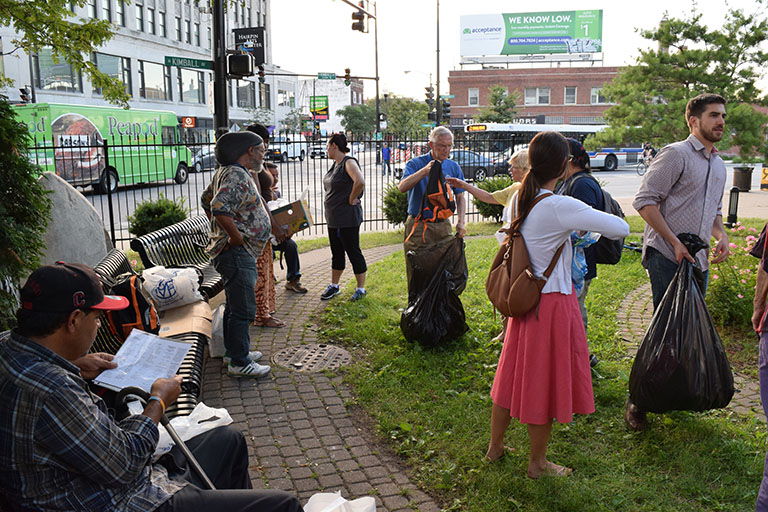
378	104
220	104
437	82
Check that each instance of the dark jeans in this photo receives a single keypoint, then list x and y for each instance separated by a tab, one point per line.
762	496
238	269
385	168
223	454
661	271
291	252
346	240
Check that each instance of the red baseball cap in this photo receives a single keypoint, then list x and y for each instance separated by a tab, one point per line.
65	287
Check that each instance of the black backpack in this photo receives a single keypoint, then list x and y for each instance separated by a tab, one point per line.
140	313
607	251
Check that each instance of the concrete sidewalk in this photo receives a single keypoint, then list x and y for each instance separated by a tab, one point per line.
751	204
303	435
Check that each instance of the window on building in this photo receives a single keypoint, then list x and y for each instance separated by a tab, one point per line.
120	10
197	34
569	95
597	97
91	9
55	76
229	92
106	9
473	98
161	22
286	98
242	14
188	31
140	17
155	81
116	67
191	86
246	94
208	37
178	29
150	20
265	100
537	95
250	19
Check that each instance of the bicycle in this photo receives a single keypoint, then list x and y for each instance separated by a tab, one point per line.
642	166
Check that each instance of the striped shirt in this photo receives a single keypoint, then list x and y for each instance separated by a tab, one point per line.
677	183
60	449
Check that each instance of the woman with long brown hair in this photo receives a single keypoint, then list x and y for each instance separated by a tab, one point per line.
543	371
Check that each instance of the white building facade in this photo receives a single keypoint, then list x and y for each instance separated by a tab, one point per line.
146	31
339	96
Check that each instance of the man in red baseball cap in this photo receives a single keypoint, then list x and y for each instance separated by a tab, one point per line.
59	447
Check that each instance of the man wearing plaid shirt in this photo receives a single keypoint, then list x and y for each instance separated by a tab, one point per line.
60	449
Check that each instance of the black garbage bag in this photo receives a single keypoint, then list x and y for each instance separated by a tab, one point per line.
435	315
681	363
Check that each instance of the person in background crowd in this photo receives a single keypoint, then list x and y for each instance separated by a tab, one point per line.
760	325
386	157
682	192
518	168
61	448
240	227
344	186
265	284
288	247
543	371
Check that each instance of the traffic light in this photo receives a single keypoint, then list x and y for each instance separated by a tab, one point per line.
430	94
26	97
445	109
358	21
262	77
382	117
240	65
347	76
432	116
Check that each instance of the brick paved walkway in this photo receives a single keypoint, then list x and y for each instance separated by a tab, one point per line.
634	316
302	437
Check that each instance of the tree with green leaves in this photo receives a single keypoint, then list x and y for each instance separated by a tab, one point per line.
405	116
501	106
650	97
358	118
50	23
294	121
24	211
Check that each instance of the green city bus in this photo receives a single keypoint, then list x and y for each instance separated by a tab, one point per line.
142	146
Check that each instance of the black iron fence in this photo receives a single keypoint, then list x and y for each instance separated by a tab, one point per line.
117	175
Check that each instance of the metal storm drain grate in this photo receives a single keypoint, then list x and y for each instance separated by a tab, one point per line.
312	357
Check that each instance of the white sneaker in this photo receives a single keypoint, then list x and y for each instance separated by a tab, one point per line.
251	370
253	356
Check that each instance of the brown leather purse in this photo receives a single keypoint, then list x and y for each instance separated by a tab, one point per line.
512	287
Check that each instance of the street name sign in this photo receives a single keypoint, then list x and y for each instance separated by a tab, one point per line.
184	62
326	76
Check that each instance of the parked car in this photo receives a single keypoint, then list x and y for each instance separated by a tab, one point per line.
204	160
283	148
317	151
475	166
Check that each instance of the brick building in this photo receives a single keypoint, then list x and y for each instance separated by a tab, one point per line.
562	95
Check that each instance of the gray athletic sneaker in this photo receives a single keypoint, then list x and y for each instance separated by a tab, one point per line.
330	292
251	370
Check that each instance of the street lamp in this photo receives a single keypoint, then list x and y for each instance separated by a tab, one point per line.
733	207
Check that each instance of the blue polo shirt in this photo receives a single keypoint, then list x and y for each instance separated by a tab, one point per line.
415	195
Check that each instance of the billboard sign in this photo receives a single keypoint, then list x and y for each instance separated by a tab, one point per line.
318	106
532	33
251	40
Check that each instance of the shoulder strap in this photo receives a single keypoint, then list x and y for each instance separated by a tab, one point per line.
552	263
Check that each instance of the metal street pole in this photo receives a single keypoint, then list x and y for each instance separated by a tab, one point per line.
378	105
437	86
220	104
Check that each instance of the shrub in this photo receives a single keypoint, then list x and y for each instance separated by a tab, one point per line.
491	185
731	284
24	212
150	216
395	205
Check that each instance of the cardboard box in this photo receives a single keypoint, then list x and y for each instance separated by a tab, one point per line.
195	317
294	217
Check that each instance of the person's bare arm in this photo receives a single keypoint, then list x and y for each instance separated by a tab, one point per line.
761	293
652	215
409	182
721	251
358	182
228	225
477	193
168	391
461	211
91	365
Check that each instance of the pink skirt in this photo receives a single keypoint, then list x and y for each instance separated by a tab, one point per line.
543	370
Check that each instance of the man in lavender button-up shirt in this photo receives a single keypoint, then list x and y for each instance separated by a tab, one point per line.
682	192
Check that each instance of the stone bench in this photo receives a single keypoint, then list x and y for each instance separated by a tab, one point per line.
181	245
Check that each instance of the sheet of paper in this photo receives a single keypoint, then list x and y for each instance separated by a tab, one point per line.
142	359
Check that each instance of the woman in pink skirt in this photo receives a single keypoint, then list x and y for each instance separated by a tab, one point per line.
543	372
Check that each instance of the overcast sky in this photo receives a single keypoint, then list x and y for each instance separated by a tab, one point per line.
310	36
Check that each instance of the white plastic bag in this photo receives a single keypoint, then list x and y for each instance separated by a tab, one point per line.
334	502
202	419
171	287
216	346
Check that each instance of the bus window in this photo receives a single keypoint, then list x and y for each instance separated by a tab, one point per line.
169	134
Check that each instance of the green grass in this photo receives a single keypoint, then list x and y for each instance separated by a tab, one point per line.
433	407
